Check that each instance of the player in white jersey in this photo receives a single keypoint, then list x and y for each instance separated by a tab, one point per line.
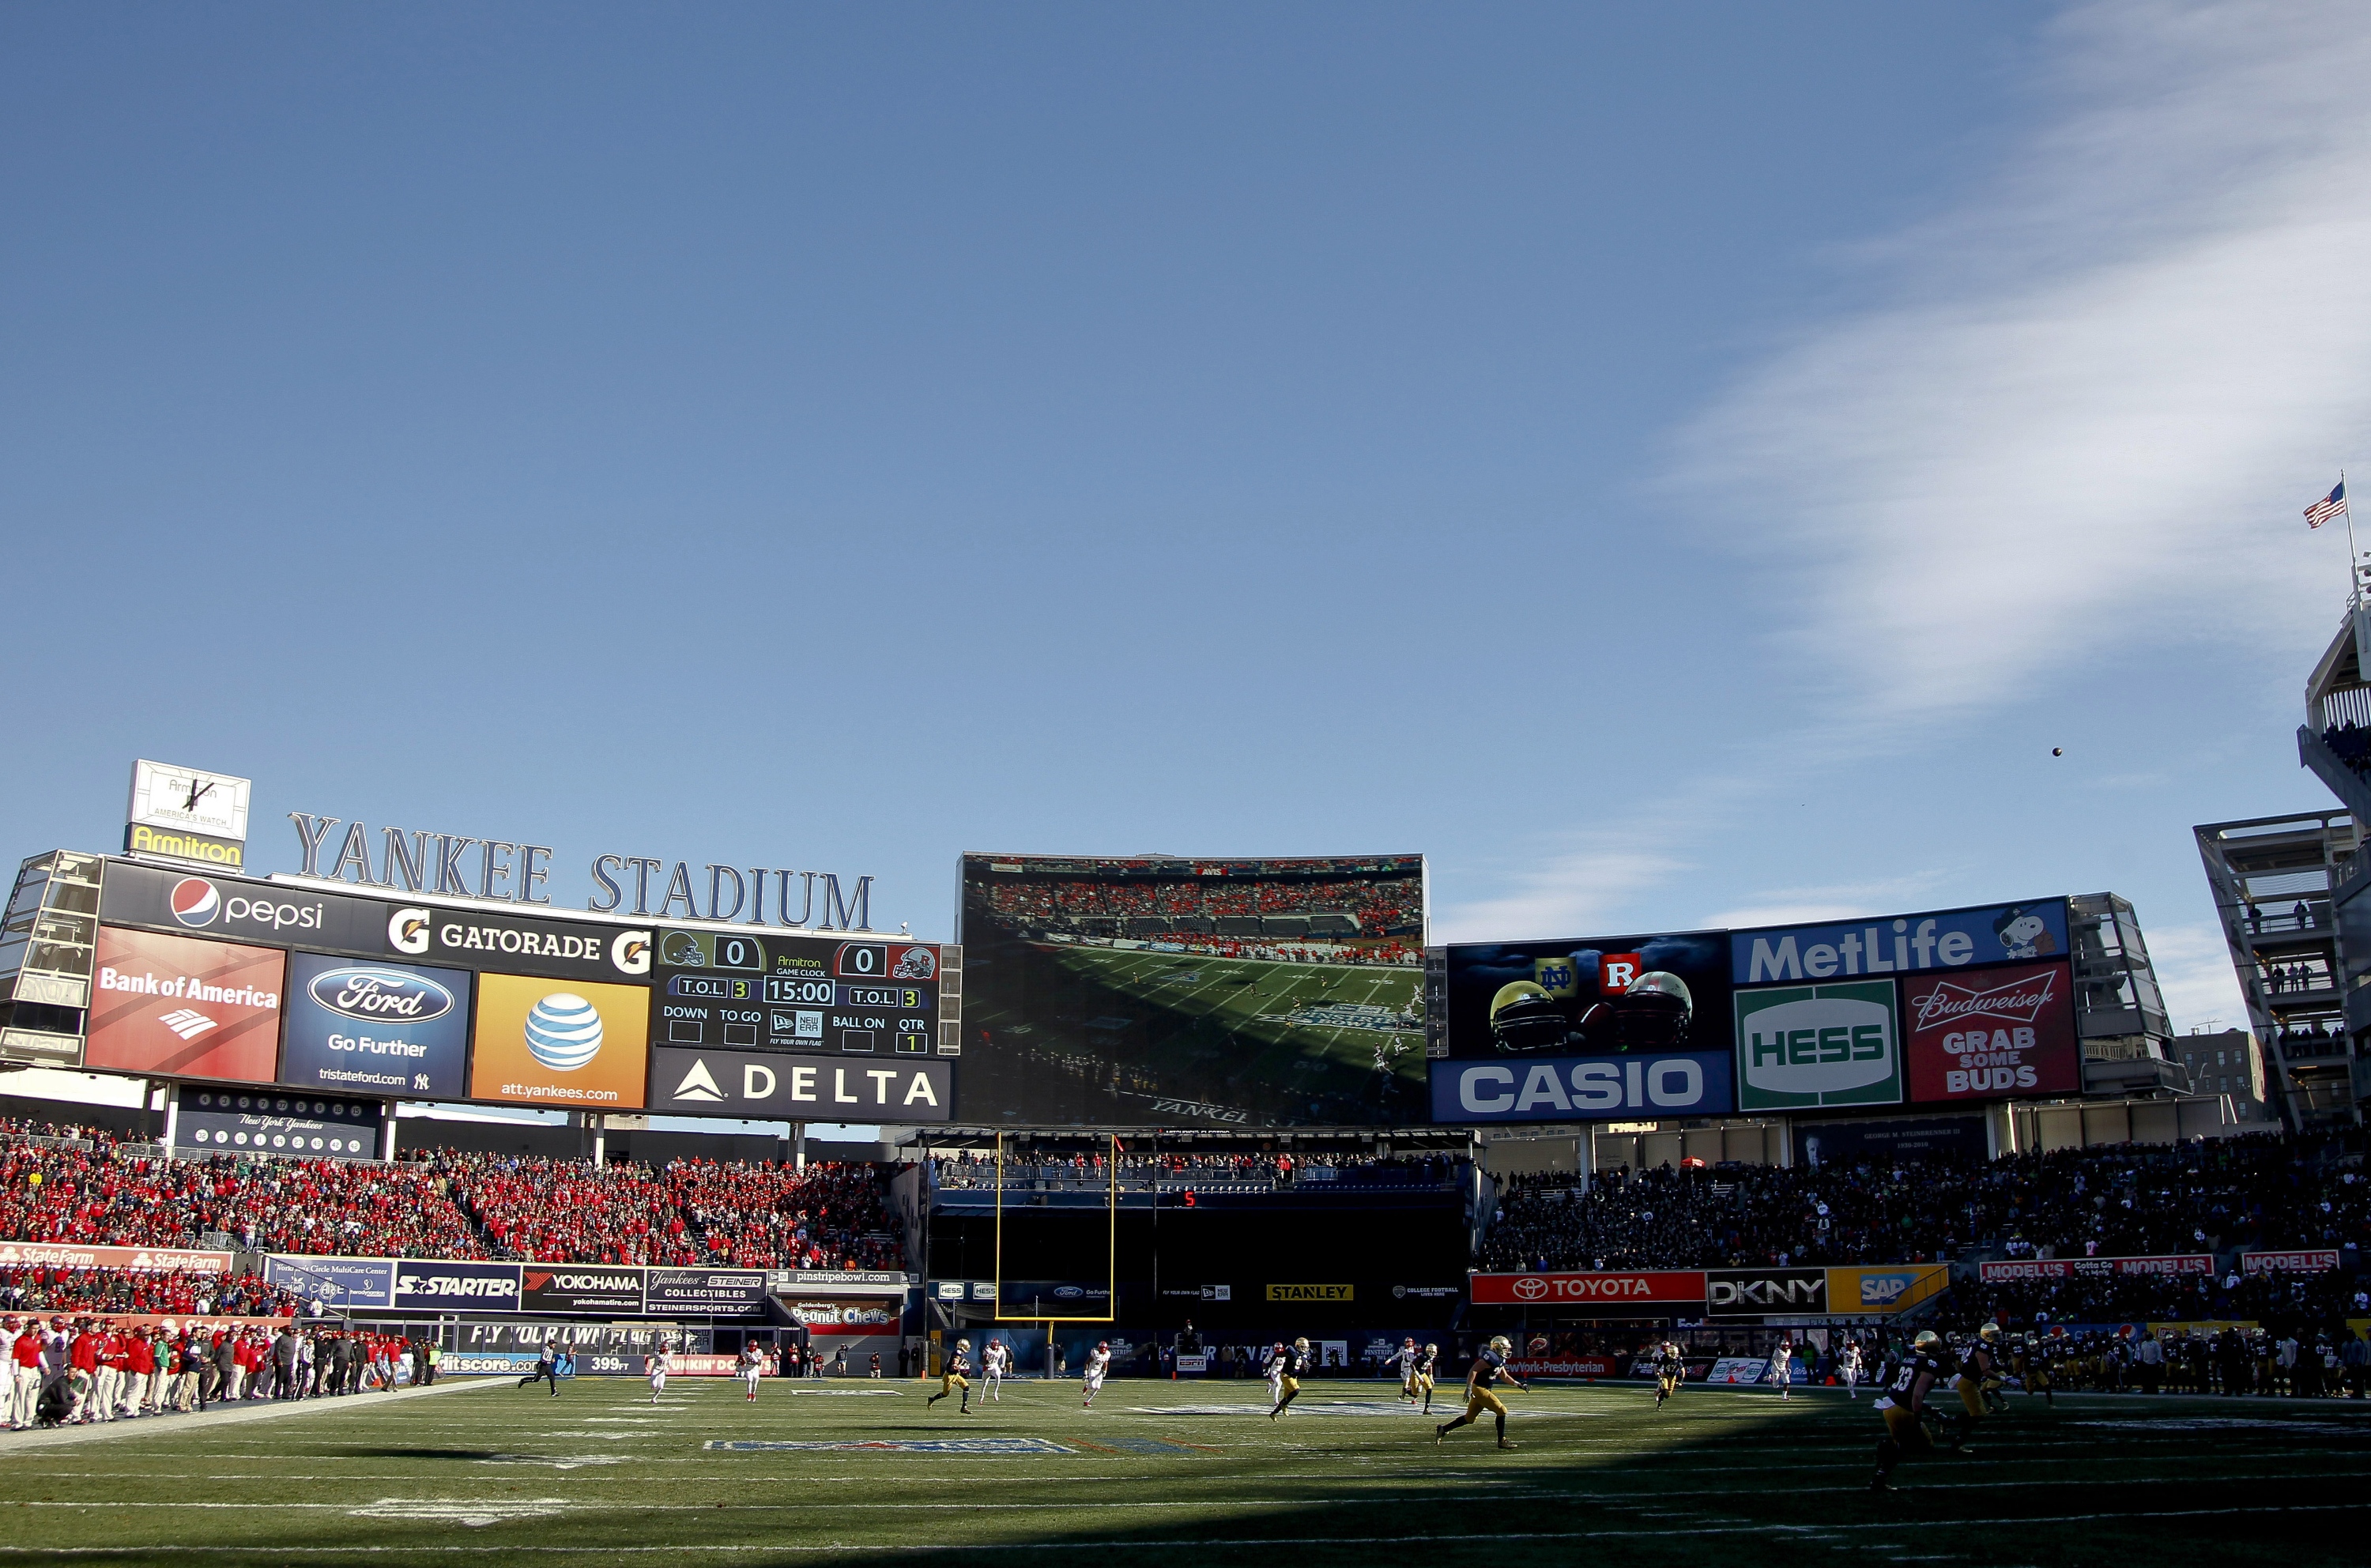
1274	1369
991	1366
1848	1368
656	1366
1098	1363
751	1366
1782	1366
1407	1358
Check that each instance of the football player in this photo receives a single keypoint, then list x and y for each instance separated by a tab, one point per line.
1275	1371
1848	1368
1978	1381
1488	1368
1425	1362
1782	1366
993	1357
1288	1377
1408	1357
954	1375
1670	1371
1098	1363
1902	1405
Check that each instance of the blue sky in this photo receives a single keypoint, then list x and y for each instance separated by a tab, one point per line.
1671	465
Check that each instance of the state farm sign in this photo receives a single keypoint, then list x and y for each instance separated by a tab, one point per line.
1683	1286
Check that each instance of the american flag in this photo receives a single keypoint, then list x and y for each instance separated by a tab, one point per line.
2328	506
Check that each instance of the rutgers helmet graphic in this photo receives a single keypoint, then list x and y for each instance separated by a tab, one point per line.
1651	1014
918	964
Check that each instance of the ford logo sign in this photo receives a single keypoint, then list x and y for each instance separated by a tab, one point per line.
1067	1293
380	996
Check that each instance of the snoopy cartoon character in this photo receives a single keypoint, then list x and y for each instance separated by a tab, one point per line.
2023	935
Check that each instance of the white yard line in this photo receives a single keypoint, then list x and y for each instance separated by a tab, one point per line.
216	1417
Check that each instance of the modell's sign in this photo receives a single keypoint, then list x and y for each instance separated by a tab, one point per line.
2311	1259
1686	1285
2096	1268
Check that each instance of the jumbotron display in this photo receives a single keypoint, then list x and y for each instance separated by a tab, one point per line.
1183	992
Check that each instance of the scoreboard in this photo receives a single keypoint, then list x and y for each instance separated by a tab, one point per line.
816	995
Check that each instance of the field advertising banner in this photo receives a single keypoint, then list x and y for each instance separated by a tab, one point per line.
1875	1288
1955	1005
172	1007
1585	1030
1567	1288
1192	992
2176	1263
575	1045
2308	1260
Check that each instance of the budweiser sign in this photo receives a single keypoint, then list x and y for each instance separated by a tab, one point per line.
2013	1001
1686	1285
142	1259
1990	1035
2310	1259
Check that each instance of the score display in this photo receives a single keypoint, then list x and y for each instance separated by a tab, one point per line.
798	994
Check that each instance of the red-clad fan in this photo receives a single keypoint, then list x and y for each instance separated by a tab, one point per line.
24	1371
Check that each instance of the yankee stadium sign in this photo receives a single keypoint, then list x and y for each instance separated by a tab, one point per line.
455	865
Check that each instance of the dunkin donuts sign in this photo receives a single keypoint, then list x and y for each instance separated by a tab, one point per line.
1992	1033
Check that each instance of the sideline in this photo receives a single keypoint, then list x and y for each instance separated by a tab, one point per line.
216	1418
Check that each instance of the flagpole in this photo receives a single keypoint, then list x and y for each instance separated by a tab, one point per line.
2353	561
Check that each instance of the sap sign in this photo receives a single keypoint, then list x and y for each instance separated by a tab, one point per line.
1582	1088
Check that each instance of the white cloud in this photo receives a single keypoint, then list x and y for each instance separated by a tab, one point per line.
1805	905
1580	891
2092	400
2193	970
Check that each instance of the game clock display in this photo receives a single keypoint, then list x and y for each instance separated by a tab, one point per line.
852	997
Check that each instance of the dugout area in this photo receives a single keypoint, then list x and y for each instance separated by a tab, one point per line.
852	1473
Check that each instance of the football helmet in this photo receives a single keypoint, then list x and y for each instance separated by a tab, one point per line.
1651	1014
1927	1340
1523	1017
1500	1343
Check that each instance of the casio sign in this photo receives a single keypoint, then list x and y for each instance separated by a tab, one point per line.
371	996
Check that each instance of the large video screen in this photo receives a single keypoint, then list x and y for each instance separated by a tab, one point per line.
1192	993
1586	1030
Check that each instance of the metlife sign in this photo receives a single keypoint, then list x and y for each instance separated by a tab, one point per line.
1901	944
1582	1088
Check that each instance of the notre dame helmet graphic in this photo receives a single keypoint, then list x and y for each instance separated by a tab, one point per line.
1652	1014
1523	1017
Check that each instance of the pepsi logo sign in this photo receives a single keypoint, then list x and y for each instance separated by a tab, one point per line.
196	901
370	995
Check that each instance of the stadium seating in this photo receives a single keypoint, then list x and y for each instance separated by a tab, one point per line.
108	1292
85	1186
2122	1200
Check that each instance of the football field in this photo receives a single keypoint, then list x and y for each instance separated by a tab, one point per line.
1186	1474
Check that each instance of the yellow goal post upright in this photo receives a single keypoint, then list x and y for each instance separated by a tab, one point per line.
1037	1314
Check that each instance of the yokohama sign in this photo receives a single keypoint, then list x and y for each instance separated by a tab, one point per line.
1683	1287
2096	1268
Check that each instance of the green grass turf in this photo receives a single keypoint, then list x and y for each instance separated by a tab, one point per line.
1718	1475
1255	1002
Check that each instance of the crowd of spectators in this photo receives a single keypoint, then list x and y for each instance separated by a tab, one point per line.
1184	1170
2352	742
47	1289
2122	1200
87	1188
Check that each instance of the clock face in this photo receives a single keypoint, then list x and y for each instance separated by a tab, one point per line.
189	798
